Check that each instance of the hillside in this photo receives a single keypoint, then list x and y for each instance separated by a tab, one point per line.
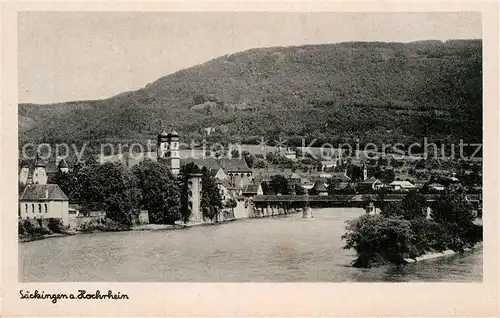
378	92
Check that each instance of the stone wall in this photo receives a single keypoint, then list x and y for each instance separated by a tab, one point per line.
77	221
242	210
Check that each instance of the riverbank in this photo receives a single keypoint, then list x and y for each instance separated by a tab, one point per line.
156	227
432	255
28	238
142	227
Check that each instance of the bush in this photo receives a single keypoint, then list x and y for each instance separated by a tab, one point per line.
429	236
456	214
20	228
474	234
106	225
32	230
55	225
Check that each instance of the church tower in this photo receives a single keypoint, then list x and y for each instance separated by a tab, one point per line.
168	150
161	145
39	173
24	174
63	166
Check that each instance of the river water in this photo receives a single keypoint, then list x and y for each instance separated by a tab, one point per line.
280	249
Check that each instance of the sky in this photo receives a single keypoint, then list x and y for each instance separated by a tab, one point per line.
66	56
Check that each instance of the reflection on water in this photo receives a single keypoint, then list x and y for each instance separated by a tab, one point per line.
281	249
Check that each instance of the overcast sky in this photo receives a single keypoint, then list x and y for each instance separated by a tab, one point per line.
74	56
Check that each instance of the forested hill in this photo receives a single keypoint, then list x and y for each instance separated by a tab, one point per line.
378	92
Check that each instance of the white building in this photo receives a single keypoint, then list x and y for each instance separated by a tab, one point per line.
43	201
224	189
220	174
370	184
328	164
436	187
252	189
290	154
401	185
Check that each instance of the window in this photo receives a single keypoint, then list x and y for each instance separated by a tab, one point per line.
39	208
32	208
45	207
26	208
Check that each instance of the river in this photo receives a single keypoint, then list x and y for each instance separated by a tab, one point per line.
280	249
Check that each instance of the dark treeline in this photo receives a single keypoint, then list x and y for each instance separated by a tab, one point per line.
122	192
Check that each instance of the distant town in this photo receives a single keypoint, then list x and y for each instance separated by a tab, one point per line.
56	188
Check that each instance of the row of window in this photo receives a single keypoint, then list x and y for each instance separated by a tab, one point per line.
173	145
231	174
26	208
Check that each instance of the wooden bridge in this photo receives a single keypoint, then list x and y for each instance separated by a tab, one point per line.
270	205
345	200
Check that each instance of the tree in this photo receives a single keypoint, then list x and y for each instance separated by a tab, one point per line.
266	188
211	200
299	190
391	209
235	153
231	204
355	173
429	235
414	205
454	211
68	182
332	185
384	175
387	176
279	185
382	194
260	163
271	158
160	192
349	189
249	158
377	239
113	188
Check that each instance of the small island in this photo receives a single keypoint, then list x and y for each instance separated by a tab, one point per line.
404	231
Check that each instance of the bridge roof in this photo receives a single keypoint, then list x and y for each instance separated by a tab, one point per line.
345	197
